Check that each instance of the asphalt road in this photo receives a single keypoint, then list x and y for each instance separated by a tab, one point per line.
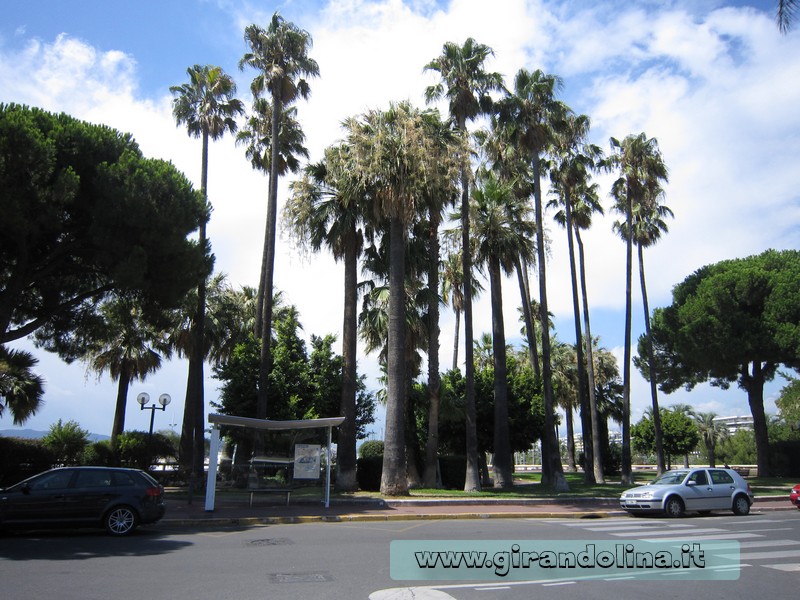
352	560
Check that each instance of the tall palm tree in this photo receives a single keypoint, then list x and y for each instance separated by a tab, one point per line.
208	107
503	233
467	86
641	169
21	389
647	222
453	293
787	11
398	161
587	203
280	55
573	159
325	209
129	348
528	113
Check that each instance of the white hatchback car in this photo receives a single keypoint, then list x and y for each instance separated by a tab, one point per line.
699	490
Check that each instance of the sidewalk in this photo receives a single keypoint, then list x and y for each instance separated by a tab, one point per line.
235	511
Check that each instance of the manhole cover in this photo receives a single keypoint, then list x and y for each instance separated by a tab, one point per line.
310	577
271	542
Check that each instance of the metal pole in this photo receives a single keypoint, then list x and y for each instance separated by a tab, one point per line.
328	472
211	482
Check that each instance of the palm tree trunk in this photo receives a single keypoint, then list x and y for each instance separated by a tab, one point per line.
503	462
393	477
346	446
570	438
119	412
660	467
455	339
583	388
597	446
527	313
552	471
434	379
269	267
627	475
472	482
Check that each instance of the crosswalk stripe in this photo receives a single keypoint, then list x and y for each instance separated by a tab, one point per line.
704	538
769	543
763	555
788	567
665	533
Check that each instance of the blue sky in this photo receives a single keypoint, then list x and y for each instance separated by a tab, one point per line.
713	81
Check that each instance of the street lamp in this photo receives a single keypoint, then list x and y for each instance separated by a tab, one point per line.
144	398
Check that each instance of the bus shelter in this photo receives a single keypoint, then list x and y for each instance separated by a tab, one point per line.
216	421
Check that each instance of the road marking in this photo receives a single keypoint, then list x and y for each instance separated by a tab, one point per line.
624	527
763	555
788	568
768	543
705	538
412	593
667	533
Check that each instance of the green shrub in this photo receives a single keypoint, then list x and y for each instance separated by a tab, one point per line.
99	454
370	449
368	473
22	458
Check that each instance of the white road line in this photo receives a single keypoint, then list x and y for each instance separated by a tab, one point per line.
788	568
705	538
666	533
624	527
763	555
769	543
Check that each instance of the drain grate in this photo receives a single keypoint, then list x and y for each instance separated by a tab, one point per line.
309	577
271	542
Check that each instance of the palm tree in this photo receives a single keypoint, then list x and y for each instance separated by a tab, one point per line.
453	293
641	168
565	388
573	159
208	106
528	114
503	233
280	55
129	348
325	210
787	11
711	433
467	87
647	222
398	161
257	135
21	389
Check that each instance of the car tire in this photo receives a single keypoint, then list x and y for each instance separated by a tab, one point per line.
121	520
674	507
741	505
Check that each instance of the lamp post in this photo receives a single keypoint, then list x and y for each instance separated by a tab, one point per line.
163	401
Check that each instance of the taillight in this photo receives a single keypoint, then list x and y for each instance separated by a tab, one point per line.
153	491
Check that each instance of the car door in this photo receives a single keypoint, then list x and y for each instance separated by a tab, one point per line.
91	492
38	500
698	491
724	486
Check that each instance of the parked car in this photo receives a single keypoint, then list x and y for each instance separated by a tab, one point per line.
114	498
701	490
794	495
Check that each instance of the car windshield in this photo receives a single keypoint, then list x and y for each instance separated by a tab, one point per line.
670	478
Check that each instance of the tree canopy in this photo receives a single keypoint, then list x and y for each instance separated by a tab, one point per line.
734	321
85	213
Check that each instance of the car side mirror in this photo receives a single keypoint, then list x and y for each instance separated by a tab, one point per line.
26	489
691	483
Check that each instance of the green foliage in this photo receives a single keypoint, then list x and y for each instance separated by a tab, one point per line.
371	448
90	214
21	389
679	434
100	454
789	402
738	449
301	385
136	449
22	458
66	441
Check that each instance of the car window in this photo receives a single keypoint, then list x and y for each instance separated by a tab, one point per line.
52	481
93	479
123	479
699	477
670	478
720	476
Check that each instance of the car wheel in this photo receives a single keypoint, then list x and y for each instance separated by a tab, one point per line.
741	506
674	507
121	520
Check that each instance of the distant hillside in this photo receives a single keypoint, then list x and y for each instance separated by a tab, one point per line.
32	434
